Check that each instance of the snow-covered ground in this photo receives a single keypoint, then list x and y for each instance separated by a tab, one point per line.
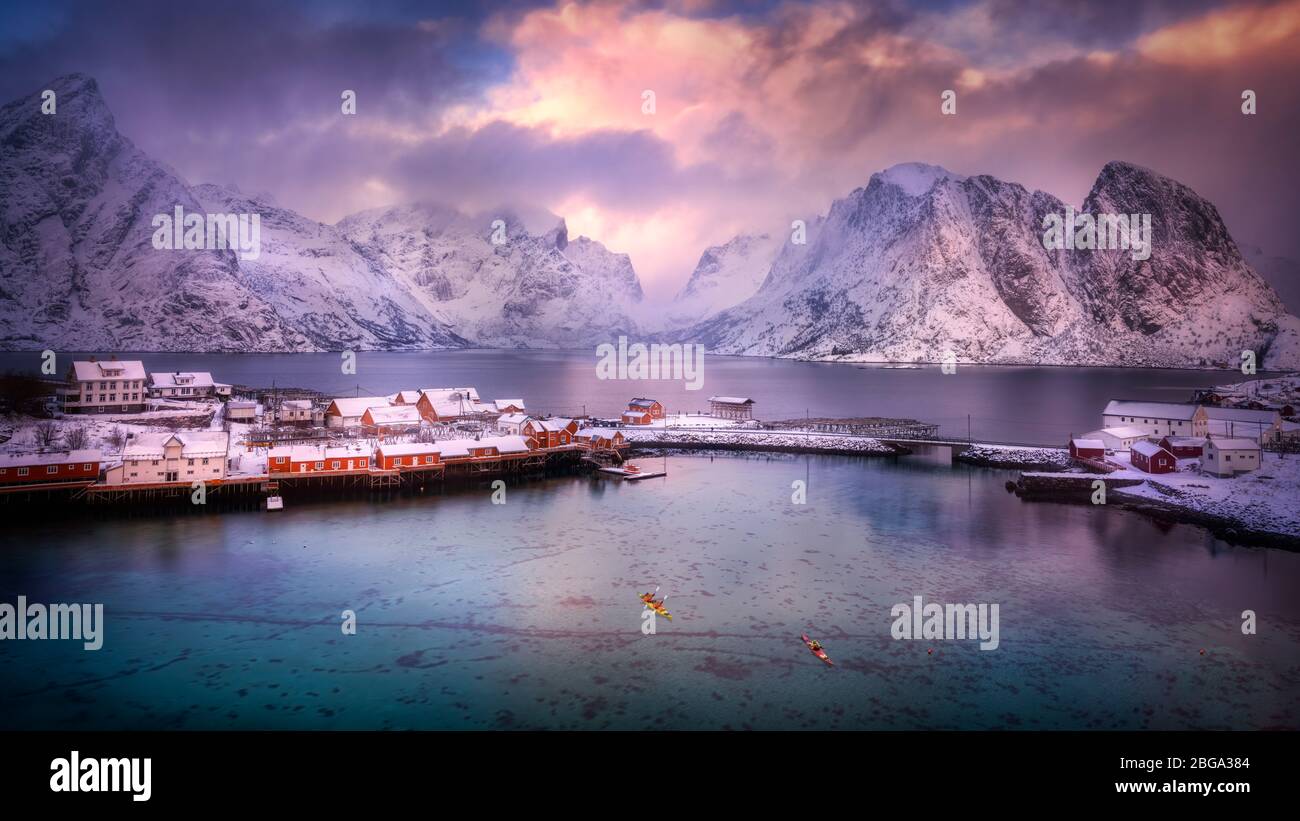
1014	456
1265	500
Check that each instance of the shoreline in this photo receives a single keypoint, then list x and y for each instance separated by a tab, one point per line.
883	364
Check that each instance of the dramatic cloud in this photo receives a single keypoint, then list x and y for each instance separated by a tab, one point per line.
762	112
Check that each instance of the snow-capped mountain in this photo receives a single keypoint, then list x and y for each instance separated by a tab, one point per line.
725	275
922	262
529	290
77	266
323	286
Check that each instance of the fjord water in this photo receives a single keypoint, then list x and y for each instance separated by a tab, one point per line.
1008	404
525	615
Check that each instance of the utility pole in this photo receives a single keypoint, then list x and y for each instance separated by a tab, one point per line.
968	440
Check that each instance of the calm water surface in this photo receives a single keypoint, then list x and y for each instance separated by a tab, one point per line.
524	615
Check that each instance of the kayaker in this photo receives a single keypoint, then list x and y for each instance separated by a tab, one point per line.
815	645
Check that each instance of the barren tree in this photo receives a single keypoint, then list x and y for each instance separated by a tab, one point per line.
47	433
116	437
76	438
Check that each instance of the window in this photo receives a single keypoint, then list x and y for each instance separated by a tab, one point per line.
279	460
87	467
52	469
428	460
22	471
3	471
155	463
189	462
334	465
205	461
320	465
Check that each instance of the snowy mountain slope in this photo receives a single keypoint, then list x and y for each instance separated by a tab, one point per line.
328	290
921	262
530	291
77	266
725	275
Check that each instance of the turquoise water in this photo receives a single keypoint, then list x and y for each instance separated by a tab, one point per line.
524	615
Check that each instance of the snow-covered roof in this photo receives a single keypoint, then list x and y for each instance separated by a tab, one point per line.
194	444
405	397
641	403
1184	441
182	379
450	394
1232	444
395	415
318	453
504	444
411	449
552	425
357	405
1150	410
109	369
502	404
637	414
1259	417
57	457
1148	449
296	404
601	433
514	418
1121	432
1094	444
731	400
241	405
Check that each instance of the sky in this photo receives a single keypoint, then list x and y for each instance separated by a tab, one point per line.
763	111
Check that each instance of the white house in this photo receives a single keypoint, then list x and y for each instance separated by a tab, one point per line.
241	411
186	385
113	386
188	456
1156	418
1118	438
295	412
1261	425
1228	457
512	423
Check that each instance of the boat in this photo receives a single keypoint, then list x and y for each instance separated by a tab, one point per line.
648	599
817	651
274	503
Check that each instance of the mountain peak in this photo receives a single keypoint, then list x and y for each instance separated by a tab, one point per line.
915	178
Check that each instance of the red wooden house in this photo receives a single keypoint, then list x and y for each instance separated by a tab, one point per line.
1087	448
301	460
1151	458
56	466
1184	447
650	406
409	456
550	433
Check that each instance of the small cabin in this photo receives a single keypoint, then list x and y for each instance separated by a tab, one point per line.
650	406
1149	457
1184	447
1087	448
1228	457
637	417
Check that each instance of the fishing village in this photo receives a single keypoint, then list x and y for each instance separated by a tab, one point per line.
112	433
